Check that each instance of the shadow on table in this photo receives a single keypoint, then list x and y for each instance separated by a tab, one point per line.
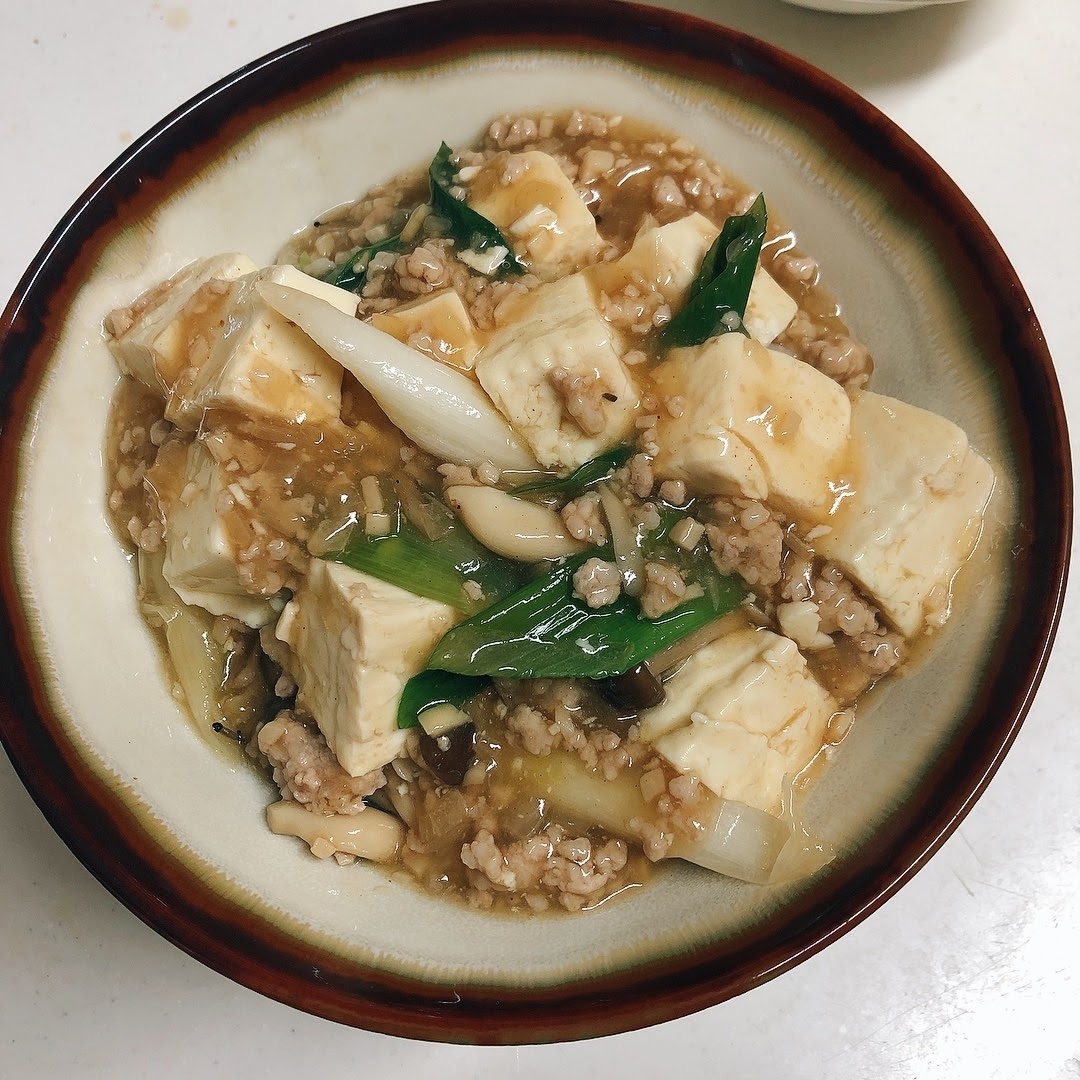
865	51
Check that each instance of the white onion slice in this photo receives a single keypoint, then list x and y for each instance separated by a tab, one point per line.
743	843
440	409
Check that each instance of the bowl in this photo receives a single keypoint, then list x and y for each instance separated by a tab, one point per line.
176	832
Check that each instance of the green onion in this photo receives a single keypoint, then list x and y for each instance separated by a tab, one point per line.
584	476
431	688
352	273
468	229
437	569
544	631
719	293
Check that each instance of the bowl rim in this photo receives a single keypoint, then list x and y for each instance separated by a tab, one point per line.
106	836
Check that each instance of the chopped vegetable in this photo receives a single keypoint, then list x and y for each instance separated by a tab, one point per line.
437	569
468	229
735	839
584	476
442	410
719	293
431	688
352	273
545	631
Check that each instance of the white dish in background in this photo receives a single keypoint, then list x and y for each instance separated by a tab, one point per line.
866	7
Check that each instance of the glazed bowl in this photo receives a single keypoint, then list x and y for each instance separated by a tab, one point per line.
176	831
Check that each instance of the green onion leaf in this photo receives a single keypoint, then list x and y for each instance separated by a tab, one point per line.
584	476
719	293
468	229
431	688
437	569
545	631
352	273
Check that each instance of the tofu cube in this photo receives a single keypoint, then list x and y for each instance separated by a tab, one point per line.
355	642
915	497
537	209
152	338
667	258
769	310
755	422
252	360
528	365
437	325
200	559
742	715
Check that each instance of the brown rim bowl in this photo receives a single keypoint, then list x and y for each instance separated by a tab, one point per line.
826	134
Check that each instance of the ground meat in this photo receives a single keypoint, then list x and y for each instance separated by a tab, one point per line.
584	521
673	492
881	651
425	268
746	539
840	608
638	308
583	398
641	475
664	590
534	730
551	714
832	352
306	770
598	583
565	865
509	134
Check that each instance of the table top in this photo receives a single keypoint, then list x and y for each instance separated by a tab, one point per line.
968	972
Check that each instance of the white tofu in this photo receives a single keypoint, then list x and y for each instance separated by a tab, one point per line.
742	715
538	211
200	560
152	339
256	362
668	258
769	310
665	257
356	641
916	493
437	325
559	328
755	422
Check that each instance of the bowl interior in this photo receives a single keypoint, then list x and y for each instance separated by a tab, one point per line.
200	810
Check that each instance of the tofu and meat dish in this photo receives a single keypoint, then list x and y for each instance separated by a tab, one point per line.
530	521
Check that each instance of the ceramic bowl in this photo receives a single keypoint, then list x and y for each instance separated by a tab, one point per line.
176	831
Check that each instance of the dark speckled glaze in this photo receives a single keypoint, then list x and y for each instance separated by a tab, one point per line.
163	891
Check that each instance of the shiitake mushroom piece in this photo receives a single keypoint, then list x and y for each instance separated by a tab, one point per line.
450	754
633	690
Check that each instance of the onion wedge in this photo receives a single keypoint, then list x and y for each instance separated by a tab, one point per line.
443	411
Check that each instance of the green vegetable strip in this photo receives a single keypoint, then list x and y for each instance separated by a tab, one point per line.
437	569
431	688
468	229
599	468
722	286
353	273
545	631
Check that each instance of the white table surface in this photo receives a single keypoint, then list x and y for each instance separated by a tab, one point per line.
971	971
